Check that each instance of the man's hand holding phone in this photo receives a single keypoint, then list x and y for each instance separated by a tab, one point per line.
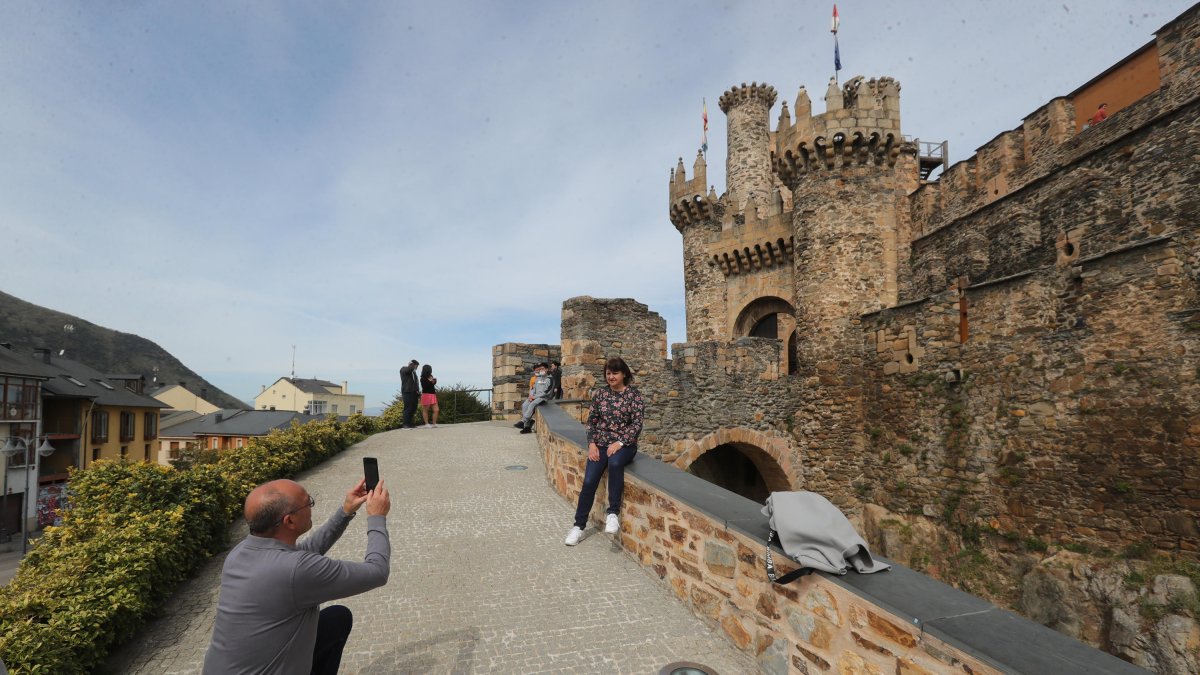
379	502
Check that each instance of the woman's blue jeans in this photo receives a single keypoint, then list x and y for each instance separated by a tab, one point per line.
616	482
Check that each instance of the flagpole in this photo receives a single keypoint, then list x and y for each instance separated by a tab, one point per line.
837	56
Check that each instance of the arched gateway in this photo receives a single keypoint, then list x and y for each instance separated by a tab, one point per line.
744	461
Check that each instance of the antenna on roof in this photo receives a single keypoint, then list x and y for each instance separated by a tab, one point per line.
293	362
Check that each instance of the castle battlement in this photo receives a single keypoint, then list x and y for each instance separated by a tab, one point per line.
747	93
1008	162
861	125
754	237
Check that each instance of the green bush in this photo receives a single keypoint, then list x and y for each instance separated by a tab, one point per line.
132	532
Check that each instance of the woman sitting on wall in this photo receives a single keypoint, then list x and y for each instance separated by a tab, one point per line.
614	423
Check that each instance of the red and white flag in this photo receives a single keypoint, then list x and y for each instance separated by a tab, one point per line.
836	21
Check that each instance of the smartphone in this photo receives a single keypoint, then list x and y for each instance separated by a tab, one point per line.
371	472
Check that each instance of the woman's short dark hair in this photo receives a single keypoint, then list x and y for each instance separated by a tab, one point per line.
617	365
426	370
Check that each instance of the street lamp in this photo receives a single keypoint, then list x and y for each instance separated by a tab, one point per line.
12	446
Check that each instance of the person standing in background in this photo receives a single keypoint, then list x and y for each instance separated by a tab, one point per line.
556	379
428	395
409	390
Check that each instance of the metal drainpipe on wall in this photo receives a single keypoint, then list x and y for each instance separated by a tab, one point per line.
83	435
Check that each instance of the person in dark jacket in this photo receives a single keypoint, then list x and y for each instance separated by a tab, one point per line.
410	389
556	379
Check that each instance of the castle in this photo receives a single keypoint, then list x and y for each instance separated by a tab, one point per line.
1013	347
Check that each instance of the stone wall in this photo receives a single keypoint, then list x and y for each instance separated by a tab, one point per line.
813	625
512	366
596	329
1134	187
1069	412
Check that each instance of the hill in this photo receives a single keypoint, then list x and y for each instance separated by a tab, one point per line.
28	326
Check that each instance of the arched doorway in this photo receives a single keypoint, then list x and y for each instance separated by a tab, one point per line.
770	317
741	468
760	318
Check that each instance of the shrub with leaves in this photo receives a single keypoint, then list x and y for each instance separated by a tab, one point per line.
456	403
132	532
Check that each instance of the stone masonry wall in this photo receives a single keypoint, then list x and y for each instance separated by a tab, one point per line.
1070	411
594	330
512	366
809	626
1142	185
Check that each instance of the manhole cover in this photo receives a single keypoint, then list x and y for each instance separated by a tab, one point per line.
515	467
686	668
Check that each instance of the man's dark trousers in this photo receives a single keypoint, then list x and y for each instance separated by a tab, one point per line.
333	629
410	408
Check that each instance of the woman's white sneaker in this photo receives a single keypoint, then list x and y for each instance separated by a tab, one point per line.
574	536
611	524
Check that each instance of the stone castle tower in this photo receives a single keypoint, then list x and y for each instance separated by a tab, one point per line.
809	231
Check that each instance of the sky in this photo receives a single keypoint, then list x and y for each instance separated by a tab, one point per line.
375	181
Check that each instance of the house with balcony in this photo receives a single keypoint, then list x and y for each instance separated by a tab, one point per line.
21	380
311	396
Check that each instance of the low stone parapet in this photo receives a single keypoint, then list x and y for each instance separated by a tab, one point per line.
707	544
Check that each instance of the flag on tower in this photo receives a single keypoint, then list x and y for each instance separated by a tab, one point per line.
704	115
837	53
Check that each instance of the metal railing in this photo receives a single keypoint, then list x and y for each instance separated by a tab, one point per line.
483	415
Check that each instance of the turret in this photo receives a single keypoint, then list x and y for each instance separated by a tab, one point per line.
748	158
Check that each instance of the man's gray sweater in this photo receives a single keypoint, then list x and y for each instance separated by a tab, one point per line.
271	595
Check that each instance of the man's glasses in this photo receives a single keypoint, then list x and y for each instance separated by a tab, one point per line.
311	503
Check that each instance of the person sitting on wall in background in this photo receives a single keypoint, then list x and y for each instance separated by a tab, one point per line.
428	396
1100	115
409	388
269	618
614	424
556	379
539	393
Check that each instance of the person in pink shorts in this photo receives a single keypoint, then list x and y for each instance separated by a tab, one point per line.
428	395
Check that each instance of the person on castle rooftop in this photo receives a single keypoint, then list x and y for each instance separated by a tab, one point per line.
541	388
1100	115
269	616
614	424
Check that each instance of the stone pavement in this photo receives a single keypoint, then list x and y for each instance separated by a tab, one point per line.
481	581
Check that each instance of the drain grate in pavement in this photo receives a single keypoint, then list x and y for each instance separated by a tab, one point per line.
515	467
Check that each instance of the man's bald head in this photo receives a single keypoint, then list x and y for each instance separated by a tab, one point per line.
268	503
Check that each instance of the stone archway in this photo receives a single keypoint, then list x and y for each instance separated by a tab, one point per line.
753	314
771	317
736	448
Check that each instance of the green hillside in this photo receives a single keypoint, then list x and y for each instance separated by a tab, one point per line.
28	326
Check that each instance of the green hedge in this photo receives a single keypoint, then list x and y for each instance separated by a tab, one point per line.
131	534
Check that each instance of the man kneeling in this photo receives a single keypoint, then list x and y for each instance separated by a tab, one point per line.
268	616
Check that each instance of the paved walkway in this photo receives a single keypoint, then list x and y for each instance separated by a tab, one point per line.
481	581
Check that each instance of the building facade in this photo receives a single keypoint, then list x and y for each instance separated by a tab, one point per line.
310	396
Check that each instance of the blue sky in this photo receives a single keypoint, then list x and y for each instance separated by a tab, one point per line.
379	181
